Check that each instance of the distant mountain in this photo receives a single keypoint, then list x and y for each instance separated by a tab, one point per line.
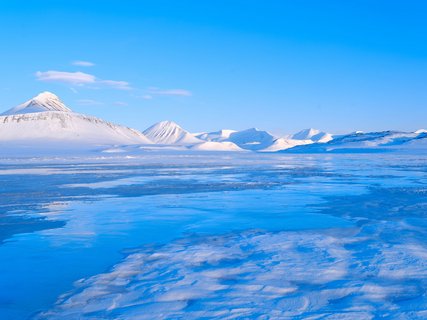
284	143
313	135
168	132
368	142
46	119
252	139
220	135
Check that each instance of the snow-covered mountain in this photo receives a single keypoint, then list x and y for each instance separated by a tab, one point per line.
252	139
220	135
168	132
368	142
284	143
45	101
313	135
46	119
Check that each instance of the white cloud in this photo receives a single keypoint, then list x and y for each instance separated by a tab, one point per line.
80	79
82	63
75	78
169	92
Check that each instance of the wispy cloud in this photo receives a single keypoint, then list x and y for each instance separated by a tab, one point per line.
119	85
89	102
74	78
169	92
80	79
81	63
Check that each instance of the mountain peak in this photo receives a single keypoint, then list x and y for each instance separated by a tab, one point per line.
167	123
252	139
45	96
44	101
169	132
305	134
312	134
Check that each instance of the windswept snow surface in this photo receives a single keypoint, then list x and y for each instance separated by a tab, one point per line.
188	235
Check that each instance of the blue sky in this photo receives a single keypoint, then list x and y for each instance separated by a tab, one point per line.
277	65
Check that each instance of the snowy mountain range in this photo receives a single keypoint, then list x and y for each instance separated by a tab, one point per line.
46	120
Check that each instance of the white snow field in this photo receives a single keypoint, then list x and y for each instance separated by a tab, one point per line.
241	235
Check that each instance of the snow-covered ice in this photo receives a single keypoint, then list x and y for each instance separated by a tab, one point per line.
239	235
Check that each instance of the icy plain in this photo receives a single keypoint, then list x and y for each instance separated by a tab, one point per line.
175	235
